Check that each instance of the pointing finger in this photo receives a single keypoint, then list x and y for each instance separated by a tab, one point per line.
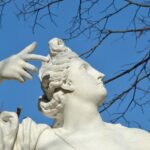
20	79
25	74
35	57
29	49
30	67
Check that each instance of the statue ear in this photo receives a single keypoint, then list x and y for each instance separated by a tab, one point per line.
68	85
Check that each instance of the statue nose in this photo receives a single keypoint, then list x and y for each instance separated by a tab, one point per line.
101	76
97	74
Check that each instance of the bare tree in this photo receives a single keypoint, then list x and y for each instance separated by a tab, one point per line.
3	4
93	19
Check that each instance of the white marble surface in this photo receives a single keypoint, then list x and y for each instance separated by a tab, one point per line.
16	67
73	91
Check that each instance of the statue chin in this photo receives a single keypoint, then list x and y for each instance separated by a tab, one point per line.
98	94
102	96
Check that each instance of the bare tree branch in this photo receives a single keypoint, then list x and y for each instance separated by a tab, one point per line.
3	4
145	60
143	74
138	4
36	9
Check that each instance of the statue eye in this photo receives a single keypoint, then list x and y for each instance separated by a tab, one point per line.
85	66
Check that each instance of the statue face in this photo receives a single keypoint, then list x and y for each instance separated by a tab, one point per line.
87	82
65	77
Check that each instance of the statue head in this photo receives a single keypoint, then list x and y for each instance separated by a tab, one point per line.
67	75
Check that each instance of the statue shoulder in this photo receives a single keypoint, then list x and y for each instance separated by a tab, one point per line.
8	129
30	128
28	122
139	136
39	135
52	140
131	136
29	133
48	138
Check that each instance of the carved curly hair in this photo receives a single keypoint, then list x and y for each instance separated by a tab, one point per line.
54	78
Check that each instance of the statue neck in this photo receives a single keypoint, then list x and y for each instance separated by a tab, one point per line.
81	116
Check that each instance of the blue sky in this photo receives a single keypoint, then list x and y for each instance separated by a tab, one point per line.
109	58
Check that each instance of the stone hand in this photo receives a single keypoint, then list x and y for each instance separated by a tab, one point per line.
17	67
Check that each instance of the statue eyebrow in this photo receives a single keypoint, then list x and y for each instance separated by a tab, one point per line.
84	64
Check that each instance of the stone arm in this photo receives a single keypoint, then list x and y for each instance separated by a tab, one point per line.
17	68
8	130
15	136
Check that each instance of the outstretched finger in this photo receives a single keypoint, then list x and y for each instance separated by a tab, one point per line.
35	57
29	49
25	74
28	66
20	79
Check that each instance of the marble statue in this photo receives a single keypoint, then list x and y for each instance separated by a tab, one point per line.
73	91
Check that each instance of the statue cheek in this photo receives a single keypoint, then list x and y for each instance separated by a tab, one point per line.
68	85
